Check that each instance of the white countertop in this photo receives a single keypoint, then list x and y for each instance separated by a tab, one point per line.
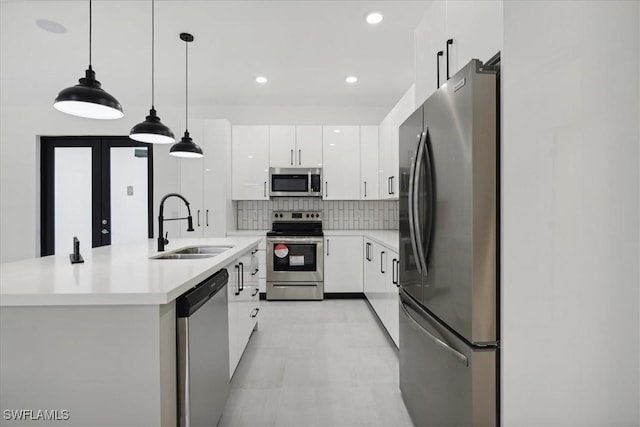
113	275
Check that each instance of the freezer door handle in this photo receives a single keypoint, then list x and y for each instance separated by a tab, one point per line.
443	345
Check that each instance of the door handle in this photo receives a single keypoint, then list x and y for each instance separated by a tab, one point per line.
237	267
326	189
198	217
255	272
253	252
255	292
365	189
327	247
449	43
382	263
394	272
292	157
438	55
443	345
393	180
416	207
299	157
412	200
254	312
241	277
207	217
265	189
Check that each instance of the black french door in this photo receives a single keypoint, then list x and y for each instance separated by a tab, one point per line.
98	152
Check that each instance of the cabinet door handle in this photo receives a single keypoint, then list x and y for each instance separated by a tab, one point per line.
299	157
365	189
207	217
292	157
327	247
394	272
198	217
393	181
255	272
326	189
254	312
389	185
237	292
255	292
449	43
253	252
438	55
382	263
265	189
241	276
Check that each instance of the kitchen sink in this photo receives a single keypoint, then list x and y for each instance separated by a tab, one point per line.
195	252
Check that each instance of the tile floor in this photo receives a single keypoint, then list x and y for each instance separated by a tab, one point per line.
325	363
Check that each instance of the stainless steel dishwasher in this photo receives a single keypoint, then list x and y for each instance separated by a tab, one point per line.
203	352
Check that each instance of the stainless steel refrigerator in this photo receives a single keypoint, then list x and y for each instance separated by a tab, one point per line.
449	343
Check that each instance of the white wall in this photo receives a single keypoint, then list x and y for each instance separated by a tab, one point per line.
570	242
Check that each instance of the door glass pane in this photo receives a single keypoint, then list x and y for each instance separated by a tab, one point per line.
72	189
129	196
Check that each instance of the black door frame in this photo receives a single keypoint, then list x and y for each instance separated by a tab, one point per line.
100	184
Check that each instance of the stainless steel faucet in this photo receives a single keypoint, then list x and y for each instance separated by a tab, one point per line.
162	240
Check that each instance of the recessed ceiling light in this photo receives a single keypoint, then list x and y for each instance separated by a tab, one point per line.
336	131
261	79
373	18
332	145
351	79
50	26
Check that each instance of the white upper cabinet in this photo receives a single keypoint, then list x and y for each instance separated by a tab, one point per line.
250	162
295	146
369	163
308	146
475	28
282	146
341	162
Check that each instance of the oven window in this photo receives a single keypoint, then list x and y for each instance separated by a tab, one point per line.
294	256
295	183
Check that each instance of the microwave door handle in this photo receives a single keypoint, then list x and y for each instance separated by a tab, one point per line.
411	200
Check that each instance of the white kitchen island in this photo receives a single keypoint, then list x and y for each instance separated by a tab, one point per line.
96	342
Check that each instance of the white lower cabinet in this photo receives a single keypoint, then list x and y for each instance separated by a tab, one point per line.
243	304
342	267
380	272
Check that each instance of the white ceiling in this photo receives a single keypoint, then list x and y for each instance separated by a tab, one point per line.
305	48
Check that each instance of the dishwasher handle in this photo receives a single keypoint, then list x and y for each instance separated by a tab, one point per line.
189	302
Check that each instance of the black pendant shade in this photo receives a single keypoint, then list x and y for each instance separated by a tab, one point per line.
152	130
88	99
186	148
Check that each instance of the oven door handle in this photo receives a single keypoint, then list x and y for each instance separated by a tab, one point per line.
290	239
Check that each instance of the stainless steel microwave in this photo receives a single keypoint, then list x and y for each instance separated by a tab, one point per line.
295	182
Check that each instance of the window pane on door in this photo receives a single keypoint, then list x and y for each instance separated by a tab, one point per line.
129	195
72	187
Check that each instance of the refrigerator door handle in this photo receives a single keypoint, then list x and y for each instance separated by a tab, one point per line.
443	345
422	260
432	202
412	200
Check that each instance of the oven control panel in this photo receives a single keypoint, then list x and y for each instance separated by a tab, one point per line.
297	216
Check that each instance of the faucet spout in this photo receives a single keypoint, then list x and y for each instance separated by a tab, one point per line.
162	240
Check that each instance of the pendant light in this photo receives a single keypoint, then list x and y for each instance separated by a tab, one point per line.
152	130
88	99
186	147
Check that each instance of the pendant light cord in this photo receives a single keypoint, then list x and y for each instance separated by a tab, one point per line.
153	57
90	34
186	85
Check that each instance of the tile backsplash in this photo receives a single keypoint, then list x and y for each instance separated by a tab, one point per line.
337	214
